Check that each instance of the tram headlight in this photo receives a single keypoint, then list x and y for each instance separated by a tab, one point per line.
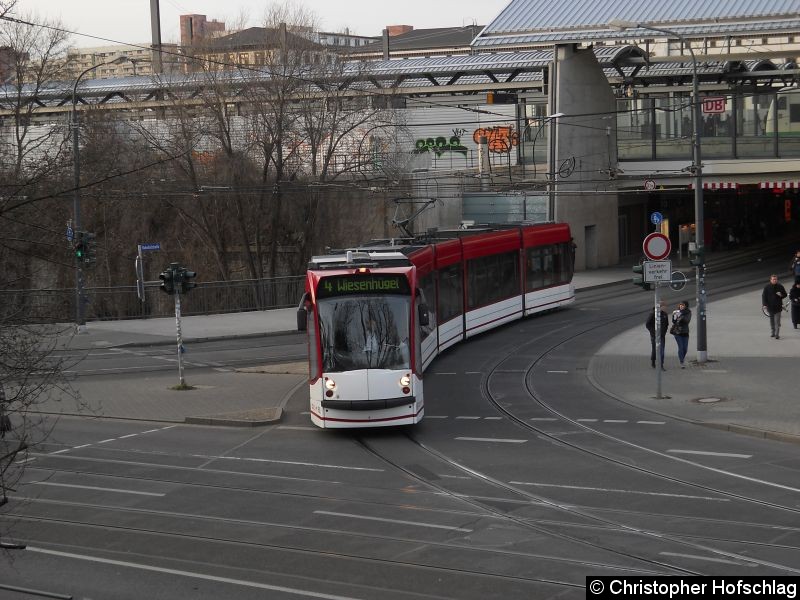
405	380
330	384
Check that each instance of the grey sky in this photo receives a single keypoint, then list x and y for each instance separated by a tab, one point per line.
129	20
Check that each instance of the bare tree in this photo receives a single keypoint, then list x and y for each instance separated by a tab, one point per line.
32	159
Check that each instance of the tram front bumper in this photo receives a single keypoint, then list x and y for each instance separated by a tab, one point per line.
368	404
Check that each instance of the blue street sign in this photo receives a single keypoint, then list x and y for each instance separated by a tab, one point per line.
153	246
70	234
656	218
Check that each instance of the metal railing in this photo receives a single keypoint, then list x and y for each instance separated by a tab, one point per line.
122	302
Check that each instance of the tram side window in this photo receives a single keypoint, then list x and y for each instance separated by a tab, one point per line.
428	287
535	274
548	276
562	263
492	278
450	293
313	357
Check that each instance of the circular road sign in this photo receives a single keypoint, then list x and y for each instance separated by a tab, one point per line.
649	185
656	246
656	218
678	281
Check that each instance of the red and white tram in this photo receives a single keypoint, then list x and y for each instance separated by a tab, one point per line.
377	315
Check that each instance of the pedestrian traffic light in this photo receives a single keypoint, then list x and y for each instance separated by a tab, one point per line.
638	278
696	255
186	281
167	278
89	248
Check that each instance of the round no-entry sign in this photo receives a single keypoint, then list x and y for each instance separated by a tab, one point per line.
656	246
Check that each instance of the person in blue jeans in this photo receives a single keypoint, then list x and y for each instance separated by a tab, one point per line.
680	329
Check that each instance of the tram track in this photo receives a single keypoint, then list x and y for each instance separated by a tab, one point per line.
503	409
693	543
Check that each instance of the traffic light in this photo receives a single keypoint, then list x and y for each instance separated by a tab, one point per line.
79	246
186	281
638	278
167	278
89	248
696	255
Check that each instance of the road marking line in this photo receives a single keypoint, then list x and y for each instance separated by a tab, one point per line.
397	521
501	440
100	489
105	441
454	477
130	435
468	418
81	446
22	462
436	417
597	489
61	451
587	420
493	418
472	373
615	420
290	462
652	422
562	372
203	576
222	370
543	419
703	453
742	563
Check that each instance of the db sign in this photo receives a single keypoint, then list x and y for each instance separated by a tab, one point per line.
714	105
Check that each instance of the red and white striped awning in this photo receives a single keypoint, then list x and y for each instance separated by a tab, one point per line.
782	185
717	185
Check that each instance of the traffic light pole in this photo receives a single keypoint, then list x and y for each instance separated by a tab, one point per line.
177	294
80	318
659	349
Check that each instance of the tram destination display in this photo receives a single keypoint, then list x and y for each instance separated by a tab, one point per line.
349	285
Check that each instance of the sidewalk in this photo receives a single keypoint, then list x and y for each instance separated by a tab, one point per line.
746	386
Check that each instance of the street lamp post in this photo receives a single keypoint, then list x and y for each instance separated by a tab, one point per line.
80	318
697	170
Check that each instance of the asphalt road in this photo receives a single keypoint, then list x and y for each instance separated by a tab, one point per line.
522	480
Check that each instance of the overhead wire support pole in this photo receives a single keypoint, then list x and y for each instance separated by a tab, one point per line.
80	315
697	171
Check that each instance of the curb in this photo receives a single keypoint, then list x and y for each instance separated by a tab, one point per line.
246	418
729	427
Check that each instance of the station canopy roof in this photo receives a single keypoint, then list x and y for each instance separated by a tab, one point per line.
527	22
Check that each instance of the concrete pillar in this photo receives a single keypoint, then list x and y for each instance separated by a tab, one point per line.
583	153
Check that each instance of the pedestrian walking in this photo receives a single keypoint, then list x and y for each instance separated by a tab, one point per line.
772	304
651	327
680	329
794	267
794	300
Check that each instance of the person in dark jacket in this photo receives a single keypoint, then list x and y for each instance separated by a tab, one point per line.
794	267
680	329
772	303
794	300
662	332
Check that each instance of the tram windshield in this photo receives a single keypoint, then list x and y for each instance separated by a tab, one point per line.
364	331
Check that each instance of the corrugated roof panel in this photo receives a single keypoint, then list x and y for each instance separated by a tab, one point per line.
547	15
710	30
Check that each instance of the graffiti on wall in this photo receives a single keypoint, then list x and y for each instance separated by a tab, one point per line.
440	145
500	139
